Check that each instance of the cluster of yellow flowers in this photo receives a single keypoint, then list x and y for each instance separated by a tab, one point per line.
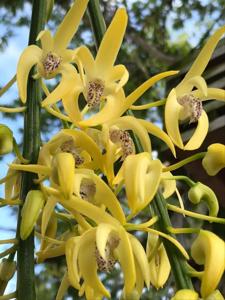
84	170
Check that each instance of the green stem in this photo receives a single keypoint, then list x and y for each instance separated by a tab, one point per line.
31	144
184	162
159	206
8	85
177	261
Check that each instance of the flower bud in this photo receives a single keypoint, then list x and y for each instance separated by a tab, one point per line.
214	159
7	269
134	295
201	192
185	294
6	140
30	212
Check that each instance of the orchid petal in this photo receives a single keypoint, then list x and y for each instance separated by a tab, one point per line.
141	258
88	264
69	25
187	86
119	73
212	93
46	214
172	111
46	41
104	194
30	57
126	259
69	79
156	131
131	123
102	235
111	110
139	91
107	51
71	105
204	56
199	134
87	60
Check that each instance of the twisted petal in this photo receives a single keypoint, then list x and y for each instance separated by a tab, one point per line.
87	60
71	105
209	249
187	86
131	123
212	93
69	25
102	235
139	91
118	73
156	131
168	186
30	57
69	79
199	134
110	111
107	51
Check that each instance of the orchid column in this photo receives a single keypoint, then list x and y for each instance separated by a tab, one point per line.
31	144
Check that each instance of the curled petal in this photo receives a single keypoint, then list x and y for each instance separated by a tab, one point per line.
68	80
156	131
119	73
102	235
110	111
141	258
139	91
172	112
30	57
209	249
199	134
214	160
143	184
197	81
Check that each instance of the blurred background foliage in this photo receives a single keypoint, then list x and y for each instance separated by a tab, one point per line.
161	35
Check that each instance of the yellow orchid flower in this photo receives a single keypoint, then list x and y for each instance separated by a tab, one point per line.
214	160
91	187
142	178
159	265
100	79
209	249
184	103
6	140
85	151
53	58
116	109
167	185
118	141
93	251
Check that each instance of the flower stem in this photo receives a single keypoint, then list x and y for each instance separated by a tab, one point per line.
184	162
178	262
31	144
8	85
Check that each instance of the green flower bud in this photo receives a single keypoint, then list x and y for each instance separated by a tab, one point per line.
201	192
30	212
134	295
7	269
214	159
185	294
6	140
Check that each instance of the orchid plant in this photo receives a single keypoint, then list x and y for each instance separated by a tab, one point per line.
99	175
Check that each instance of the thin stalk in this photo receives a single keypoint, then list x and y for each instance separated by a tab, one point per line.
184	162
158	207
31	144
